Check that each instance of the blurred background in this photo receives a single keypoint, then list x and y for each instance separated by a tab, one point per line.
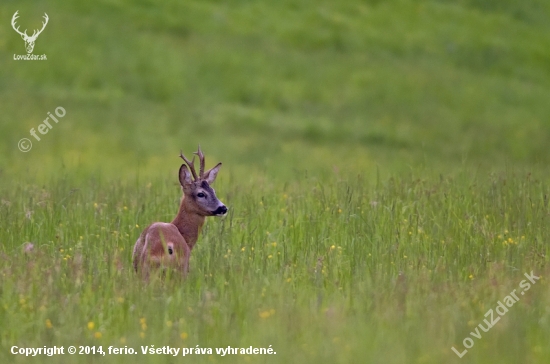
275	89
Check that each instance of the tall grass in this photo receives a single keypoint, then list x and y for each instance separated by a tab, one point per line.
394	271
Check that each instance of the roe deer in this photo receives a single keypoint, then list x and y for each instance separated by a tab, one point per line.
170	244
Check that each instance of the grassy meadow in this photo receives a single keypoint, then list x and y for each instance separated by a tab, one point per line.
384	163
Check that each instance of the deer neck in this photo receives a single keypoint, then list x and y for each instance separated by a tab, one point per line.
189	223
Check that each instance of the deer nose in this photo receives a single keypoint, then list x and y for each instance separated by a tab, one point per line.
220	211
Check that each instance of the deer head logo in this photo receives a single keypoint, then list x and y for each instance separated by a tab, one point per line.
29	41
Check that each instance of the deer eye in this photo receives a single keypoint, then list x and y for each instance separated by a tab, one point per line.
201	195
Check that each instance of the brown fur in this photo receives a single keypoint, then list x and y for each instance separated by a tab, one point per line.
170	244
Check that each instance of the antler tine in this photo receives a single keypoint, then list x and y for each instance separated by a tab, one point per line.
44	23
201	159
191	165
13	24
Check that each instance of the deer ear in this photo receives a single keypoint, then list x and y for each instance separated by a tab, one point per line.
185	176
210	175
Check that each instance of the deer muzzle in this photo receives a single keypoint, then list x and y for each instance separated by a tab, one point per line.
220	211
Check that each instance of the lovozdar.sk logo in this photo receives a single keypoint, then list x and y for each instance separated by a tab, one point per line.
29	40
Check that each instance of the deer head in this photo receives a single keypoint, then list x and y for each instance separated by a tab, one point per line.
29	41
199	197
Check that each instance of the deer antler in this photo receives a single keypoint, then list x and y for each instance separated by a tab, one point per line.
35	33
44	23
13	19
201	159
191	165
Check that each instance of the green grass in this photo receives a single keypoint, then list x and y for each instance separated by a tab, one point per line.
384	162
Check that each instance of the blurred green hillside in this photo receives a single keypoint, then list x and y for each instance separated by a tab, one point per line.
272	88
